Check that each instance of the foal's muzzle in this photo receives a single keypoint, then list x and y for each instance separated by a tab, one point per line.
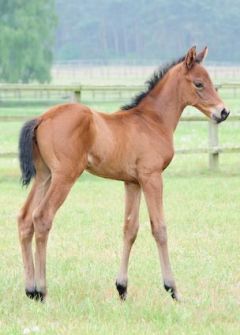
220	116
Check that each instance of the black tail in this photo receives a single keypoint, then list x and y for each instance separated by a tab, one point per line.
25	148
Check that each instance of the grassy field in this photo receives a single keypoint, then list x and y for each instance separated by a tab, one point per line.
202	214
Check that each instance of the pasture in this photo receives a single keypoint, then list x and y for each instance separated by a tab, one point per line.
202	214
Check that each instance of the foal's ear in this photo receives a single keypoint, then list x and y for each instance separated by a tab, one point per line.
190	58
202	55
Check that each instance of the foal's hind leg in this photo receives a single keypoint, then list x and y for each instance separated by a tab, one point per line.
132	202
26	230
42	218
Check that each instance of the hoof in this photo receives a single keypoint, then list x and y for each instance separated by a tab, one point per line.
172	291
122	290
30	294
39	296
35	295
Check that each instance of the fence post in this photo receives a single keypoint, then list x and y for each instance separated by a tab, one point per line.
77	95
213	146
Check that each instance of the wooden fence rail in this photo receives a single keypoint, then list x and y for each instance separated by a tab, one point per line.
75	94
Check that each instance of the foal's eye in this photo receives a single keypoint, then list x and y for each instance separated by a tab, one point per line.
198	85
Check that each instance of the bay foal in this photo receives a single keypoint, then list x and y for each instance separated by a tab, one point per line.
134	145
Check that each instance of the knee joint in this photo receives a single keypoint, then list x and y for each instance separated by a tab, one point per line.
130	235
160	233
25	234
42	222
130	231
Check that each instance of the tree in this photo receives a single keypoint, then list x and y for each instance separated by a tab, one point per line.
26	40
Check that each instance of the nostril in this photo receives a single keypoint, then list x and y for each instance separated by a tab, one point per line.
224	113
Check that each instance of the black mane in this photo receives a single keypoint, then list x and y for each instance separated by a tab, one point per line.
151	83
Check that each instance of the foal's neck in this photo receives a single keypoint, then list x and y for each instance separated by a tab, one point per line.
165	102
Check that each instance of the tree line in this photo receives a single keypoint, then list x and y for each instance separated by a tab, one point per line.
156	29
35	33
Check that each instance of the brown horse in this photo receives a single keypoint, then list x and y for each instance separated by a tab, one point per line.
134	145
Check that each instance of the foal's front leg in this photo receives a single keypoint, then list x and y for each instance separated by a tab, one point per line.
152	188
132	202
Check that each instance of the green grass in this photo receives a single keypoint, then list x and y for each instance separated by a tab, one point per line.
202	214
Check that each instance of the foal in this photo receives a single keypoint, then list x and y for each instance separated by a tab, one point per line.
134	145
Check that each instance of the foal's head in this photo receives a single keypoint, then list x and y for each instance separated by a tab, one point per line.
197	88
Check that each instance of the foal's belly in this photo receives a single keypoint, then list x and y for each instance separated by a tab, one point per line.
125	171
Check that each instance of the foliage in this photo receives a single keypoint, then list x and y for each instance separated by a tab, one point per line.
144	29
26	40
